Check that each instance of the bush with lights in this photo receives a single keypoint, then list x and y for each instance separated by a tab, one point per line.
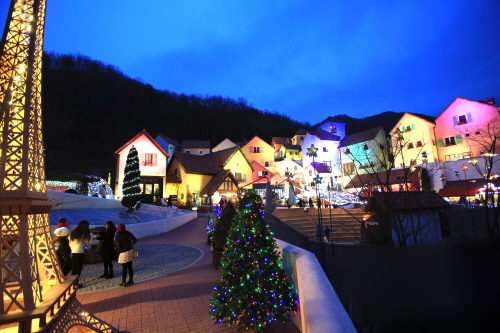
131	189
253	290
223	226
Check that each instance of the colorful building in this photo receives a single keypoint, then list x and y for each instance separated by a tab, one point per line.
152	164
260	151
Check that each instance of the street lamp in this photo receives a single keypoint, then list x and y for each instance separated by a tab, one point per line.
473	161
442	177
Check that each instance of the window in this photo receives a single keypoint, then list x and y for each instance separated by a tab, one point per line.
413	162
325	150
333	128
347	151
467	134
449	141
410	145
419	143
408	129
477	132
241	177
365	146
381	146
267	164
188	152
467	155
348	168
301	138
456	157
228	185
175	172
147	159
256	149
462	119
201	151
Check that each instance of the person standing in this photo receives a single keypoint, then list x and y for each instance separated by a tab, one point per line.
102	191
63	223
169	201
327	233
79	241
106	249
125	241
311	204
63	251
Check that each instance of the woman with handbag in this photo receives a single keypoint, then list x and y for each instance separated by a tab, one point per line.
106	249
125	241
79	241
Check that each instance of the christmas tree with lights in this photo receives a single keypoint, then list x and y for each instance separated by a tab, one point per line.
131	189
253	290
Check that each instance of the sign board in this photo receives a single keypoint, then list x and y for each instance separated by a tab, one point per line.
173	197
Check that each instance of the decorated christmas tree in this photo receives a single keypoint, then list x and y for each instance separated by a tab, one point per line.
253	290
131	189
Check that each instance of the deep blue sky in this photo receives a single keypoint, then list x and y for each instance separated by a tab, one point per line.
306	59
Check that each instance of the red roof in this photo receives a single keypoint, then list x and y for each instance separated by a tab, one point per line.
143	132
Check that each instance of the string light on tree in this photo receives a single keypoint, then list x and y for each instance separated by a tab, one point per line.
253	290
131	189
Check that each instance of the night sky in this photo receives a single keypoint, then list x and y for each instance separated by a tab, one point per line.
304	59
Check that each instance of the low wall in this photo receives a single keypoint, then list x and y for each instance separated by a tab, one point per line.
319	310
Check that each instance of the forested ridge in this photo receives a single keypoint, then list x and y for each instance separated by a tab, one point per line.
90	109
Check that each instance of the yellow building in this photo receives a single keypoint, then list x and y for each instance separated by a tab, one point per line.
259	151
204	179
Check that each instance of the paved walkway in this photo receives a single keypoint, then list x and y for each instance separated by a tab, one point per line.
177	302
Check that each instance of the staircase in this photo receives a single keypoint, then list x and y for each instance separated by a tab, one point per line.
345	224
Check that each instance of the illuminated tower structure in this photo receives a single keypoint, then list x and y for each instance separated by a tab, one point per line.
35	294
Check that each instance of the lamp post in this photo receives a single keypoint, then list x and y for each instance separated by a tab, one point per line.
319	227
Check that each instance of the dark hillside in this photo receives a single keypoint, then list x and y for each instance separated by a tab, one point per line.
90	109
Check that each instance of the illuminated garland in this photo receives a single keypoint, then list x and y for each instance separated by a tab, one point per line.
131	189
253	290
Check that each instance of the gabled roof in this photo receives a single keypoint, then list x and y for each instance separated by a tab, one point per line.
258	137
406	200
226	139
280	140
396	176
208	164
360	137
204	144
292	147
216	181
324	136
320	167
412	115
301	131
329	120
464	99
147	135
171	141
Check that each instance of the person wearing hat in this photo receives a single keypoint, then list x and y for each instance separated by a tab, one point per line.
62	222
125	241
63	251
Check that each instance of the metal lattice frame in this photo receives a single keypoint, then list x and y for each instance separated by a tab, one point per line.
36	296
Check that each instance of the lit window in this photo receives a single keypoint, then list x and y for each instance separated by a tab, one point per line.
449	141
419	143
478	132
149	160
267	164
408	128
256	149
333	129
462	119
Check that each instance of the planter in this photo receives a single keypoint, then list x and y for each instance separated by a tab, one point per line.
216	257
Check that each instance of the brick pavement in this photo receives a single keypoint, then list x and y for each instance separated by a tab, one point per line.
178	302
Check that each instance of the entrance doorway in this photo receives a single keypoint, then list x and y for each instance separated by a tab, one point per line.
152	188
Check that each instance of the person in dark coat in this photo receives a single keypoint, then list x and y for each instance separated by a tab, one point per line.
169	201
63	251
311	204
327	233
106	249
125	241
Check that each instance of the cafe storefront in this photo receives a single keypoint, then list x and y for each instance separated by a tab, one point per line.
152	188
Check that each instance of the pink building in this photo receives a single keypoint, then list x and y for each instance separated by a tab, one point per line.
462	129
